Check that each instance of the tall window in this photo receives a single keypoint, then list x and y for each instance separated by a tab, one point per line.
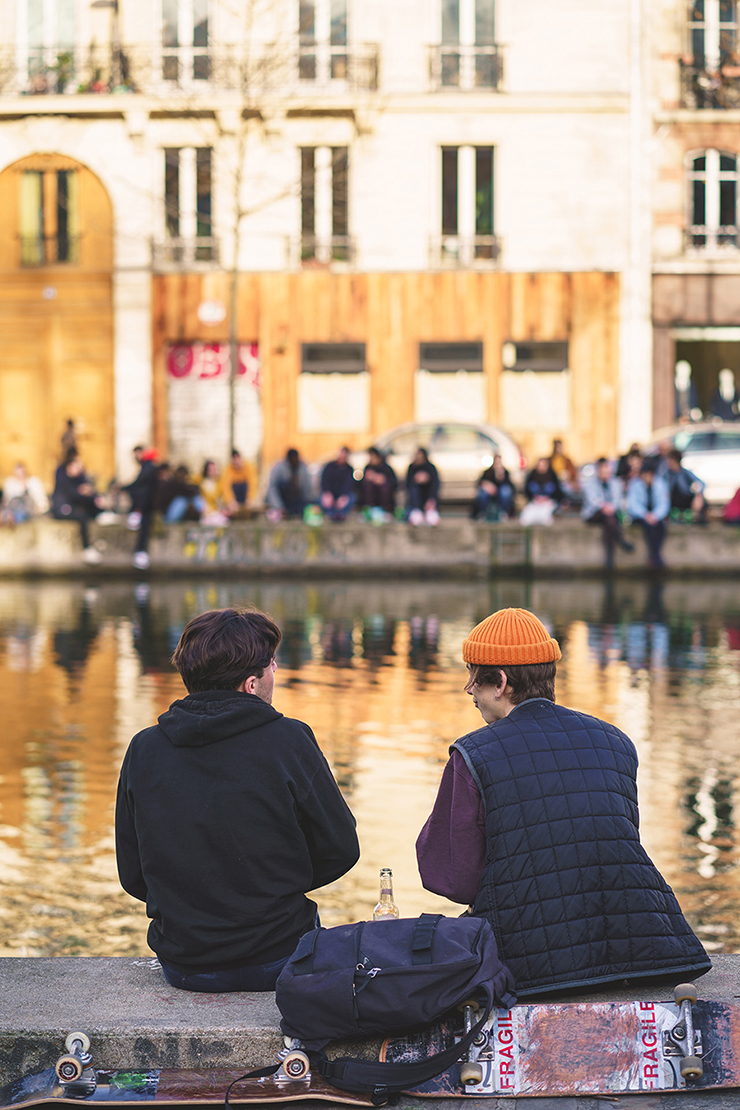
468	57
325	204
52	34
49	217
713	32
323	40
188	204
467	204
185	41
713	176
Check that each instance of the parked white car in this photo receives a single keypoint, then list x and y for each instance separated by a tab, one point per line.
711	451
460	452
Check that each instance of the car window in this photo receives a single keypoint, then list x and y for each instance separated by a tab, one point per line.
451	437
727	439
405	443
694	441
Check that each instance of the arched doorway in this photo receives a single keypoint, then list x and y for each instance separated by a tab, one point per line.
56	316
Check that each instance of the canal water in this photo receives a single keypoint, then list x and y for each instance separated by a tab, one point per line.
374	668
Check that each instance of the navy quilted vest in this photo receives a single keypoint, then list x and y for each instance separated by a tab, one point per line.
570	892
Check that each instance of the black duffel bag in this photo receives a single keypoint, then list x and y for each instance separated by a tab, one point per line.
387	978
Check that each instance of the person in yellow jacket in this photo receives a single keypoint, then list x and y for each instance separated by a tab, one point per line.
238	483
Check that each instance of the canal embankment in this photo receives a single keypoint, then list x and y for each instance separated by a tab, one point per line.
456	547
136	1020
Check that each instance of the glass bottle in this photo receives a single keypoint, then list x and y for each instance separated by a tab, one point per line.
386	909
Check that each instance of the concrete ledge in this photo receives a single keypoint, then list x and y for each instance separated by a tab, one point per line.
456	547
135	1019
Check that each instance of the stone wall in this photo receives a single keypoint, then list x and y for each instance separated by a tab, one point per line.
456	547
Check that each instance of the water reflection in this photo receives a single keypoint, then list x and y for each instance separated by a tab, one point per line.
375	669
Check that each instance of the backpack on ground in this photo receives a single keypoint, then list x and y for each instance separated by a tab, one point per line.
389	977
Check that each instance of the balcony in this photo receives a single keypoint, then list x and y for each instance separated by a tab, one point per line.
318	252
460	252
702	88
200	253
467	68
154	71
327	68
48	250
715	242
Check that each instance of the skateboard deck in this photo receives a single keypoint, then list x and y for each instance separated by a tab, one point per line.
175	1087
577	1048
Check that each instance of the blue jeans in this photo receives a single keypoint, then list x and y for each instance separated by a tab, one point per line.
179	506
261	977
486	504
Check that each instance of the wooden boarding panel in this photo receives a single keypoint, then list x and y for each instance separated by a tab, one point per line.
174	1087
585	1048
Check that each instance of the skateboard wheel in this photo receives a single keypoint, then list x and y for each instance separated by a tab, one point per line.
296	1065
472	1002
691	1067
68	1068
69	1042
471	1073
685	992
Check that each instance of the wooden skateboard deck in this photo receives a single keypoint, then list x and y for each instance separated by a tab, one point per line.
174	1087
582	1048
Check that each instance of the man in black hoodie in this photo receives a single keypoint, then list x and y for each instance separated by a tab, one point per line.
227	813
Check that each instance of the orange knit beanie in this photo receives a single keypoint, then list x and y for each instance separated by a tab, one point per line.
511	637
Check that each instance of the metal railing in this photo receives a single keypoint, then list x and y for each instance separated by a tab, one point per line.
464	252
308	251
48	250
333	68
716	240
467	68
702	88
182	254
155	71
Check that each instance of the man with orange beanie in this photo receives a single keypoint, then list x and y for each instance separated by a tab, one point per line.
536	826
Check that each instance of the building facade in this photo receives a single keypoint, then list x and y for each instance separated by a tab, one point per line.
375	211
696	247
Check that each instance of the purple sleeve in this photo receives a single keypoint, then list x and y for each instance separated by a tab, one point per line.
451	849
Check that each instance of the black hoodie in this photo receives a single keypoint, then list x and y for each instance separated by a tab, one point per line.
227	813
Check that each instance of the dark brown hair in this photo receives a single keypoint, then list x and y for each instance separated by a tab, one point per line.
531	680
219	649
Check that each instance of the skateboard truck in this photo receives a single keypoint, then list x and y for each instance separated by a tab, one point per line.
471	1072
77	1078
683	1040
294	1063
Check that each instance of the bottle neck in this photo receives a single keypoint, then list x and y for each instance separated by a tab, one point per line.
386	886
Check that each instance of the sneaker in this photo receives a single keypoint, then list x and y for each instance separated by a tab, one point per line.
432	516
416	517
92	556
107	517
134	520
141	560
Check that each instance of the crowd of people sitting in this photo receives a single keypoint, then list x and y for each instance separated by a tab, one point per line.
648	489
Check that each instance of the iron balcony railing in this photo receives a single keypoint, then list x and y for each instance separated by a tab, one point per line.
309	251
703	88
464	252
468	68
328	68
716	240
48	250
306	69
184	254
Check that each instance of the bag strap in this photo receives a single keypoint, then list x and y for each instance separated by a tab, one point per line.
421	941
382	1079
303	956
